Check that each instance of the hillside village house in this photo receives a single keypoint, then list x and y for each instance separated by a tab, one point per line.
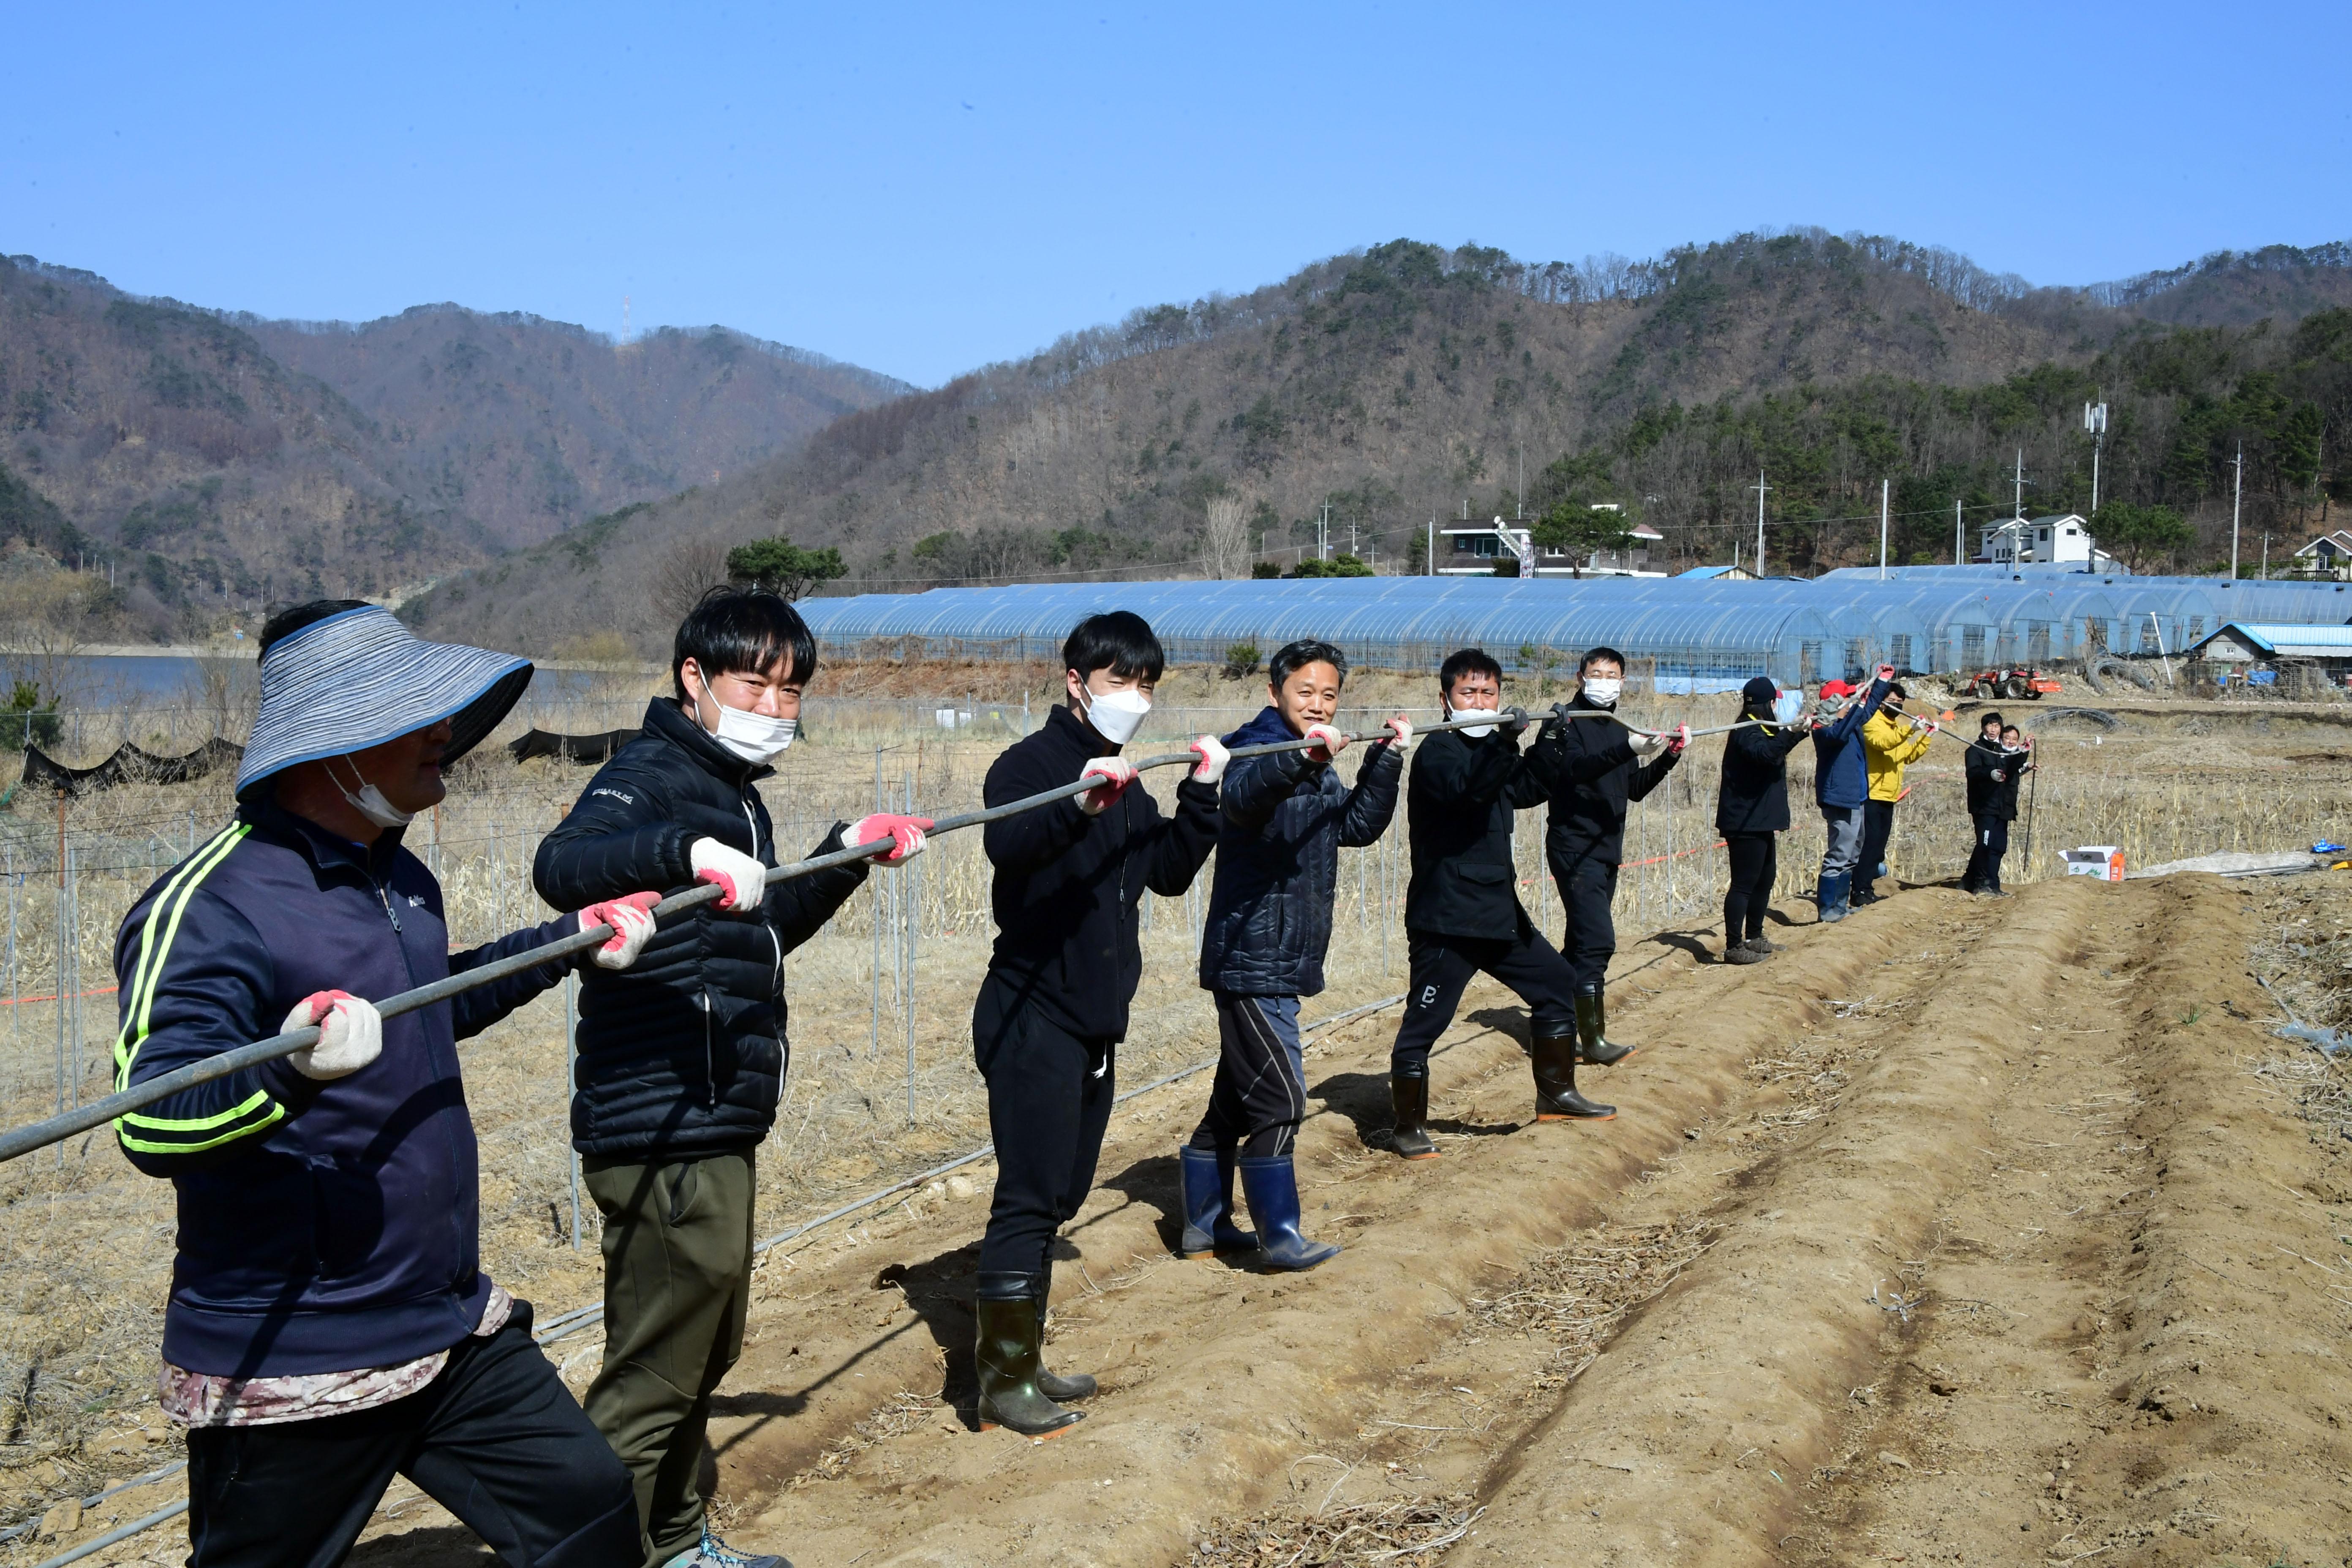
2063	538
2329	555
1475	551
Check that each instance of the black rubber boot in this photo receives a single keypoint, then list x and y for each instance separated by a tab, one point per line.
1005	1356
1554	1056
1409	1097
1271	1184
1593	1046
1208	1183
1053	1385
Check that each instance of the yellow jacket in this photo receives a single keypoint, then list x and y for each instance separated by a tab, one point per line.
1888	743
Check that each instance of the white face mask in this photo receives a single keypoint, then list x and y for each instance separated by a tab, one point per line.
1116	715
369	801
1601	692
754	737
1476	731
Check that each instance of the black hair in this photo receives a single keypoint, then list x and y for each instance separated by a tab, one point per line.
1895	688
1117	640
1986	719
731	631
1464	661
1298	656
1594	655
2008	729
286	622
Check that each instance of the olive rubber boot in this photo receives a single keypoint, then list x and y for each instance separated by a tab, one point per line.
1006	1357
1271	1184
1554	1056
1409	1097
1053	1385
1208	1185
1593	1046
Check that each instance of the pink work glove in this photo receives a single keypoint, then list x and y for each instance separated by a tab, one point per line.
632	922
350	1034
1334	741
1214	757
741	880
1116	773
1682	738
1399	734
904	832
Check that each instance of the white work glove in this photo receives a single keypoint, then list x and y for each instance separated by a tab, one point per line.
350	1034
1214	757
1644	745
742	882
632	922
1116	773
1399	734
905	834
1333	742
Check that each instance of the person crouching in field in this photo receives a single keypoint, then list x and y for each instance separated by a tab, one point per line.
1461	910
1594	766
1891	741
1752	811
682	1059
1053	1007
1286	815
329	1325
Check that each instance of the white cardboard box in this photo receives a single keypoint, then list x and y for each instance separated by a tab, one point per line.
2105	861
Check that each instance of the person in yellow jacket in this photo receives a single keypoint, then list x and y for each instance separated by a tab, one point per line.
1889	740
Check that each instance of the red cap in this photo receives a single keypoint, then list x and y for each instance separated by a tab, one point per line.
1836	689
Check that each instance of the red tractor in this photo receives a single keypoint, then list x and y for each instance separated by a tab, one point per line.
2016	685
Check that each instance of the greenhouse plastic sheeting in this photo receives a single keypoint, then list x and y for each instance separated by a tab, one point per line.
2248	599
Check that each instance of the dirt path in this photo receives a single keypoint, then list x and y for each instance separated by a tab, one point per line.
1959	1232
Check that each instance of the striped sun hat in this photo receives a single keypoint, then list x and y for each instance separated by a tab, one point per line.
359	679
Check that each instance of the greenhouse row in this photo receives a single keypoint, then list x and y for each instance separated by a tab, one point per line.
1698	635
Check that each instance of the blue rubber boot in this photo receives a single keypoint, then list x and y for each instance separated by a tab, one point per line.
1271	1184
1832	897
1208	1181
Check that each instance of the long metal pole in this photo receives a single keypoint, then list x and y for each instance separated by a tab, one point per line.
1882	530
570	1076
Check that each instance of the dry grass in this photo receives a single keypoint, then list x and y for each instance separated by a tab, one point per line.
1577	1295
1342	1537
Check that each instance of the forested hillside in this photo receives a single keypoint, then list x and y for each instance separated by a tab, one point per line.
1410	382
214	461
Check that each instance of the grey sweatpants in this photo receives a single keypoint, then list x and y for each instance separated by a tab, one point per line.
1844	850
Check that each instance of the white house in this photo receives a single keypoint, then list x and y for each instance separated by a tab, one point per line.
2062	538
2329	555
1475	551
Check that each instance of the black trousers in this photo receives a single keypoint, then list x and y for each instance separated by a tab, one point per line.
1442	966
497	1439
1260	1094
1755	862
1877	828
1984	860
1049	1095
1588	887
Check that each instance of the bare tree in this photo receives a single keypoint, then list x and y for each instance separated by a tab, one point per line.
689	569
1225	542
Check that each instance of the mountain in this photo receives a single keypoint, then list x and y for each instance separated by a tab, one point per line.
219	460
1410	382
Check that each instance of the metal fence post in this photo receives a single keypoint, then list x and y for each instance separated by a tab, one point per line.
570	1072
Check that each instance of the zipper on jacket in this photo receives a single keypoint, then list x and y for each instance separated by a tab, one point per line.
383	896
710	1059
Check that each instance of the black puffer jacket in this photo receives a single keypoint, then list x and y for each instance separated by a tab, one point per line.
1988	795
1754	794
1459	806
683	1053
1068	886
1278	860
1593	772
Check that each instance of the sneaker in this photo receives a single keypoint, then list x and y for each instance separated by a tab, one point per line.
716	1554
1759	945
1741	952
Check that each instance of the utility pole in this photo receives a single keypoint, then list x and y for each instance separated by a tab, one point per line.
1523	484
1959	536
2266	556
2094	420
2020	512
1431	563
2237	495
1323	533
1882	530
1760	486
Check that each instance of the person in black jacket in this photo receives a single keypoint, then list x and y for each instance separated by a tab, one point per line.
1461	909
1286	815
681	1060
1585	841
1053	1007
1997	760
1751	810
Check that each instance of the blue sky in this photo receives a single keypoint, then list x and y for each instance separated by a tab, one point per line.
923	190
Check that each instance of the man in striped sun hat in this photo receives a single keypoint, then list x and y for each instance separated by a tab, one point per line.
329	1324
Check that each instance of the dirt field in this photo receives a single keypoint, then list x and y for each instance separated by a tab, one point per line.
1963	1231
